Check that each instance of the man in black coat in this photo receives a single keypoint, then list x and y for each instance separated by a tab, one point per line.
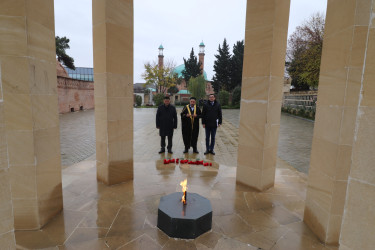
166	121
190	125
211	119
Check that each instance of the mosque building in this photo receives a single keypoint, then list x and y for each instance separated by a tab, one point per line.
183	94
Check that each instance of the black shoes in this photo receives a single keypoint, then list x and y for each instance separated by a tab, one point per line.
170	151
209	152
161	151
195	151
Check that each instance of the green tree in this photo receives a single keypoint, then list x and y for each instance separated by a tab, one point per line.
192	67
197	87
62	43
173	90
236	96
305	51
224	97
236	65
161	78
222	68
158	99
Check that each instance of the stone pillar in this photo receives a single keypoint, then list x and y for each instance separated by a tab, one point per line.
7	240
29	90
343	140
262	83
113	78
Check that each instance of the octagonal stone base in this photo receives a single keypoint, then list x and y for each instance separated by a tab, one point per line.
184	221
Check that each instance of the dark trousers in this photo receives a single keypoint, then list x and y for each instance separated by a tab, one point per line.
162	142
210	132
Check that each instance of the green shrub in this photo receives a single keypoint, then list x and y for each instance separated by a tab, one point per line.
237	106
158	99
138	100
224	97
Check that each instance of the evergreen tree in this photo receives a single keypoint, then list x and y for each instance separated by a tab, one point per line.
222	68
236	65
192	67
62	43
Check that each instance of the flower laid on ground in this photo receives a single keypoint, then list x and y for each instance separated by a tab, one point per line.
186	161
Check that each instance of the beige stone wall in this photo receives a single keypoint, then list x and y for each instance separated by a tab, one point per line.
28	75
113	74
343	112
262	84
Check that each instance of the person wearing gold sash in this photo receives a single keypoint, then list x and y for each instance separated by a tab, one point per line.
190	125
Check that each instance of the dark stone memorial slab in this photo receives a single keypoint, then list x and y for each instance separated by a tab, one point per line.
184	221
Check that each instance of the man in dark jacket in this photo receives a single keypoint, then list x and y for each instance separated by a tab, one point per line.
166	121
211	119
190	125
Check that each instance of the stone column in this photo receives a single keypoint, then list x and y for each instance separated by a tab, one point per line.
343	140
113	78
29	90
7	240
262	83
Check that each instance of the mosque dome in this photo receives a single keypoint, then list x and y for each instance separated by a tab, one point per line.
181	67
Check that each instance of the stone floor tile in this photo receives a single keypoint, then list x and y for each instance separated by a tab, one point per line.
87	238
228	243
259	220
61	227
282	215
208	240
126	227
264	239
142	242
102	215
156	234
301	228
292	241
173	244
232	225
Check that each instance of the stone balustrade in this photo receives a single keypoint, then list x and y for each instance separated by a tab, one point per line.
300	101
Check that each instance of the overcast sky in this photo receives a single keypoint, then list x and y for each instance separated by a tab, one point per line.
178	25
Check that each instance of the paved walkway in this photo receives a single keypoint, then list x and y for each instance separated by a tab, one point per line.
78	139
124	216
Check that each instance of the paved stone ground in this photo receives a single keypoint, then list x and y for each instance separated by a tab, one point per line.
78	139
295	138
77	136
124	216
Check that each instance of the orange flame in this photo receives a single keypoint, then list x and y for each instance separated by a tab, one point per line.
183	184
